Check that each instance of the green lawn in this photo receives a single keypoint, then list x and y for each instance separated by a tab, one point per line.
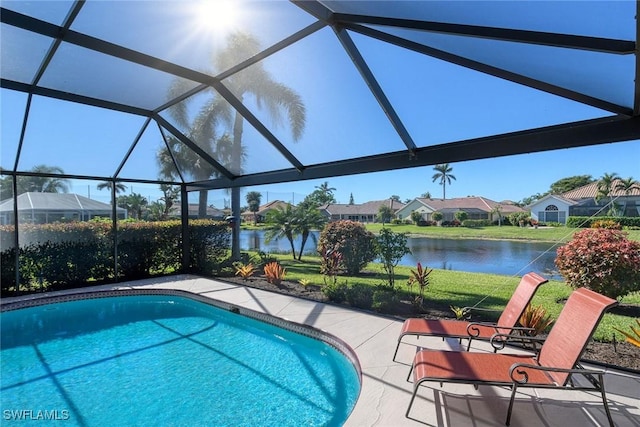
549	234
506	232
455	288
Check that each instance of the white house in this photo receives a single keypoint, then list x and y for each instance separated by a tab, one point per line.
551	208
581	202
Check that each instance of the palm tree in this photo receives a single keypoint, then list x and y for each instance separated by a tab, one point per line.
254	81
43	184
134	204
280	223
305	220
253	200
443	174
324	188
605	189
626	187
120	187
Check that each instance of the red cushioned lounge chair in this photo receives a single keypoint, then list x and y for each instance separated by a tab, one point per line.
477	330
554	366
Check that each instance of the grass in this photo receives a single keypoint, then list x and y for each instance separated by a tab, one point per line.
506	232
456	288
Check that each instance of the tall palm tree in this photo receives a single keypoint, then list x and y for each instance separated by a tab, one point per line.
280	223
605	186
254	81
120	187
43	184
253	200
605	189
626	187
325	189
443	174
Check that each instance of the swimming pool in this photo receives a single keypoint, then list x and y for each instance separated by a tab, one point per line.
167	359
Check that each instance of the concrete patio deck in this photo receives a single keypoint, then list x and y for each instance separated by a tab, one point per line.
385	392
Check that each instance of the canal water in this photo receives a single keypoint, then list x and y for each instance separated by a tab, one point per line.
509	258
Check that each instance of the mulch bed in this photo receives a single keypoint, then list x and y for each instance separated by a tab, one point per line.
620	354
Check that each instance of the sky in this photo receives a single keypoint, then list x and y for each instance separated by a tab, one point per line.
437	102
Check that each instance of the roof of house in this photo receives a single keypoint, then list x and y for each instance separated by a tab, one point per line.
468	204
368	208
56	202
591	190
212	212
262	210
553	196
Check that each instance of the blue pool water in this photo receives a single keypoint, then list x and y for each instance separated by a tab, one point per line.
158	360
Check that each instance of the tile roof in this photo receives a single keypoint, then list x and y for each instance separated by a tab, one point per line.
590	190
468	203
368	208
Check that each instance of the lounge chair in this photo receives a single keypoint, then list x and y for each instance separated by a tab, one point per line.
477	330
554	367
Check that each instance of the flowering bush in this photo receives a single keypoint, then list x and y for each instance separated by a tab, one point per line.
355	242
602	260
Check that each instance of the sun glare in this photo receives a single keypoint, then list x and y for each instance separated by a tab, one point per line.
216	15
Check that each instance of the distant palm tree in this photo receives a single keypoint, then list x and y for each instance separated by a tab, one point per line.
253	200
443	174
605	186
605	189
134	203
120	187
324	188
43	184
626	187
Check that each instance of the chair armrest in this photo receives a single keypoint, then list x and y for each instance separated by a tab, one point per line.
499	340
474	331
519	370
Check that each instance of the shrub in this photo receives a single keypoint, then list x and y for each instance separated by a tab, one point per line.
519	218
355	243
330	262
606	223
632	337
391	247
461	216
244	270
274	273
384	299
420	277
437	216
359	295
416	216
472	223
535	318
602	260
336	292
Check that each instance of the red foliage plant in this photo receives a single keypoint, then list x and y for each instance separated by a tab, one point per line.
602	260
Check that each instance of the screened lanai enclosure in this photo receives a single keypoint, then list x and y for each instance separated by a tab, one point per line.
157	103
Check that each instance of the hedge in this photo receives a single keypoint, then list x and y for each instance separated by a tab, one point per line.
68	255
586	221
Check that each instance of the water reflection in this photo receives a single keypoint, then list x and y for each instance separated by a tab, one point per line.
510	258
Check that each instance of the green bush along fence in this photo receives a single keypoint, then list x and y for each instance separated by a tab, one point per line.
586	221
67	255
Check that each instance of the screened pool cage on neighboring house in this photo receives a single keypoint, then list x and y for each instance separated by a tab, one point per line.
151	95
